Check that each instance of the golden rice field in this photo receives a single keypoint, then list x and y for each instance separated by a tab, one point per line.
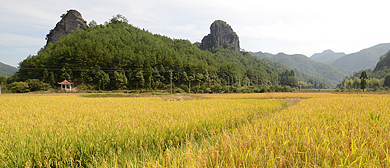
232	130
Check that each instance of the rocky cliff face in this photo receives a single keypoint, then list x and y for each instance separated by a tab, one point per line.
69	23
221	34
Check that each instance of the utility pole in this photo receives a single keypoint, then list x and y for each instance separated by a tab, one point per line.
0	87
171	74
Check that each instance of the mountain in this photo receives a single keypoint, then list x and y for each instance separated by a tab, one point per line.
383	63
221	34
70	22
302	76
118	55
302	63
7	70
364	59
327	56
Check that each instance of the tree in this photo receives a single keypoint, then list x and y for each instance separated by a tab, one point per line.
104	78
45	77
356	83
348	83
119	19
140	78
92	23
52	79
157	78
387	81
120	80
288	78
207	78
363	80
65	74
185	78
199	78
148	75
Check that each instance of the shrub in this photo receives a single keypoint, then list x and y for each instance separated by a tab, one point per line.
216	88
178	90
184	87
37	85
19	87
85	86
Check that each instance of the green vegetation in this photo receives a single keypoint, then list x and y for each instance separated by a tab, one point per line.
377	79
305	81
119	56
324	74
364	59
19	87
327	56
7	70
363	80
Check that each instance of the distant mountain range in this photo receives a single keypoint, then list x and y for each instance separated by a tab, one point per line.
7	70
302	63
302	76
364	59
327	57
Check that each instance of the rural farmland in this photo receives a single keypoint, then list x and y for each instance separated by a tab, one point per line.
226	130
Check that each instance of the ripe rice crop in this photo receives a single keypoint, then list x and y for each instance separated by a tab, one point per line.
64	130
279	95
339	131
232	130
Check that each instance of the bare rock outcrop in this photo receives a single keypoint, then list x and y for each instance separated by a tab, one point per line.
221	34
69	23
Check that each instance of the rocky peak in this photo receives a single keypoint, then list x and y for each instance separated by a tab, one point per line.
221	34
69	23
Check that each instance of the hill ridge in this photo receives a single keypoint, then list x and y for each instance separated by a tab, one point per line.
364	59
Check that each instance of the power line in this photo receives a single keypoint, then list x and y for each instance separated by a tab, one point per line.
97	68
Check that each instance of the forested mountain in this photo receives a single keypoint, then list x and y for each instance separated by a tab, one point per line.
118	55
302	63
7	70
306	81
327	56
364	59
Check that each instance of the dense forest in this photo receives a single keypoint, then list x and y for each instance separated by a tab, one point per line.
119	56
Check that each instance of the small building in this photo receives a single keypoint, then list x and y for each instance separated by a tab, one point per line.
65	84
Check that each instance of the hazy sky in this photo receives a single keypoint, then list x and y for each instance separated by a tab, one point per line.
289	26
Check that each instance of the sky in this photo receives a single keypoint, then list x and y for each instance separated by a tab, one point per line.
273	26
